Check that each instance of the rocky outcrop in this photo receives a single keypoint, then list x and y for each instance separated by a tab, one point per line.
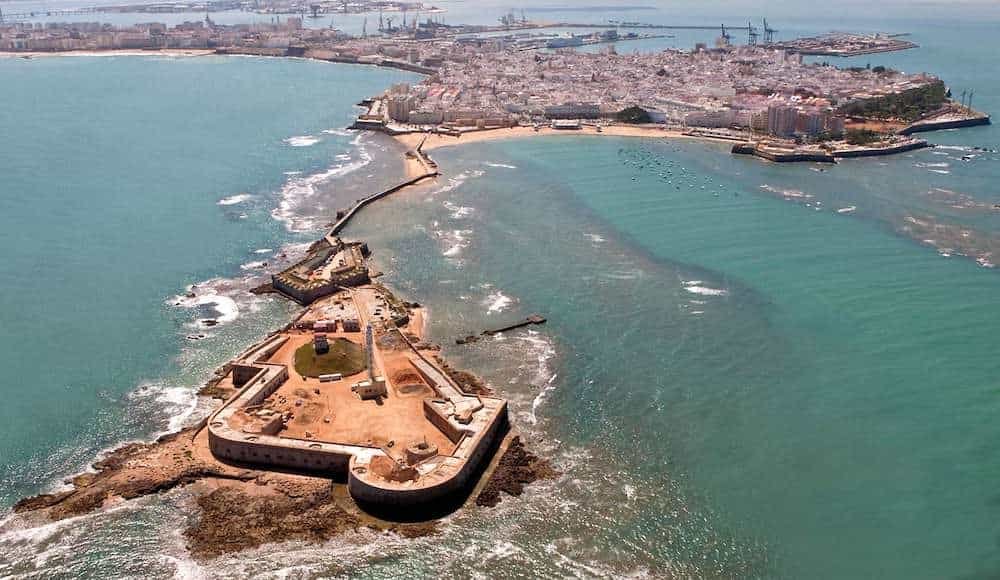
517	468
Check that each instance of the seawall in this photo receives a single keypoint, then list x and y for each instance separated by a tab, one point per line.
925	126
793	156
780	156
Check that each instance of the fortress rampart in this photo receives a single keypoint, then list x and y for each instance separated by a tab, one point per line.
375	479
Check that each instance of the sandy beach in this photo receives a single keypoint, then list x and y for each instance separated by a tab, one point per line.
175	52
415	167
435	140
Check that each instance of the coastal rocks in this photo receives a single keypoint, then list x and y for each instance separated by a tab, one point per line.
279	508
468	382
132	471
266	288
262	519
517	468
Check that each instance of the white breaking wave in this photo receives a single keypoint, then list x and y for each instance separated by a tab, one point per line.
458	211
503	165
695	287
178	403
298	190
234	199
457	181
597	239
256	265
787	193
497	302
263	251
226	308
540	398
542	350
341	132
705	291
301	141
941	171
454	241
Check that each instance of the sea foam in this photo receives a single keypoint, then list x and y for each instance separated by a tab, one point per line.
301	141
696	287
234	199
497	302
298	190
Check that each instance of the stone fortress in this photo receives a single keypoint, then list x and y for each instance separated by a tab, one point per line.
396	427
329	265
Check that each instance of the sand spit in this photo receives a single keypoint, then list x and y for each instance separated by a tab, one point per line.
266	506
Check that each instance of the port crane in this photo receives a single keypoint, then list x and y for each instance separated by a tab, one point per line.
726	37
768	33
752	34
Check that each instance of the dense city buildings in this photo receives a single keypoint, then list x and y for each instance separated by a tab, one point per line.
753	88
479	82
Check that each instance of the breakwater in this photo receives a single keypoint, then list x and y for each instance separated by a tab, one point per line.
530	320
300	282
783	156
430	170
824	156
942	124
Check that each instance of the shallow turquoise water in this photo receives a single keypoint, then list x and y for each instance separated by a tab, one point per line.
815	390
113	170
737	380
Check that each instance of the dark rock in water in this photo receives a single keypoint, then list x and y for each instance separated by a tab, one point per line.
210	322
517	468
190	295
266	288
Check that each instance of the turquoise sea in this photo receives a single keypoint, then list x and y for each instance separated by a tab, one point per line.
749	371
